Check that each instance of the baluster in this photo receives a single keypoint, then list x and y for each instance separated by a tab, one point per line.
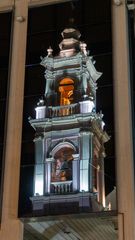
71	110
75	109
49	112
62	188
58	188
60	112
63	111
55	189
66	110
69	187
66	188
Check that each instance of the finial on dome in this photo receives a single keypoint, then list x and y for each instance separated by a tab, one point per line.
70	43
49	50
83	48
71	33
41	102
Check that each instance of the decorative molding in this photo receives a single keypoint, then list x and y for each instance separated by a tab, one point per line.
51	159
62	144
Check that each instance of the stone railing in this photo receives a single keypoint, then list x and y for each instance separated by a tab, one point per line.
61	187
64	110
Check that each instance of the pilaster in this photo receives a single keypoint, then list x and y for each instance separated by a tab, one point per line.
85	161
39	168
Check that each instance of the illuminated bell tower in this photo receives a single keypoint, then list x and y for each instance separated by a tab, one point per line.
69	135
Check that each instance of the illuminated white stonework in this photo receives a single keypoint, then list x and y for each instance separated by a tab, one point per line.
69	134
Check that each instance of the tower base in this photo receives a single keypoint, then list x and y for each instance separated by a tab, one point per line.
65	204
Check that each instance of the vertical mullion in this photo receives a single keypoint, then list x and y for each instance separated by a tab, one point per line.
15	110
123	123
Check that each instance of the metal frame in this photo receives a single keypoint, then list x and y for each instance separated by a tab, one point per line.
7	5
123	122
11	226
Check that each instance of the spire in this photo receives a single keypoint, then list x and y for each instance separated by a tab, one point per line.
70	43
71	33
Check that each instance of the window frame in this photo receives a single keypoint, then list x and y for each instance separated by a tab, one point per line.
124	146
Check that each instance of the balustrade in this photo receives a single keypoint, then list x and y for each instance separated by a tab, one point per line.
64	110
61	187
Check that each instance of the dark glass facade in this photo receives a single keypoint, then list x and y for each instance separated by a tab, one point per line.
93	19
131	33
5	37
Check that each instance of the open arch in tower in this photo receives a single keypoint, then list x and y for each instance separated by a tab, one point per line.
66	90
62	165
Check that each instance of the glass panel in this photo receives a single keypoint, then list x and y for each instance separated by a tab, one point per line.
131	24
47	102
5	36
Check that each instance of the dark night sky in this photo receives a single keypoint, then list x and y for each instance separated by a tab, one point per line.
5	36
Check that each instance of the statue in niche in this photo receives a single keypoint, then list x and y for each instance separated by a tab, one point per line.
62	170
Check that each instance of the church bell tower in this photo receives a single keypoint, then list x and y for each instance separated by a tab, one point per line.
69	133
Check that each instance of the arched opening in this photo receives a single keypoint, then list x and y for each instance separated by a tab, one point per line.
62	165
66	90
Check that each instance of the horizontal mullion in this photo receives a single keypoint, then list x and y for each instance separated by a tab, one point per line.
35	3
6	5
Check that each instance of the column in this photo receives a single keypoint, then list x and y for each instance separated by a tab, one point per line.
101	182
75	172
123	123
11	227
